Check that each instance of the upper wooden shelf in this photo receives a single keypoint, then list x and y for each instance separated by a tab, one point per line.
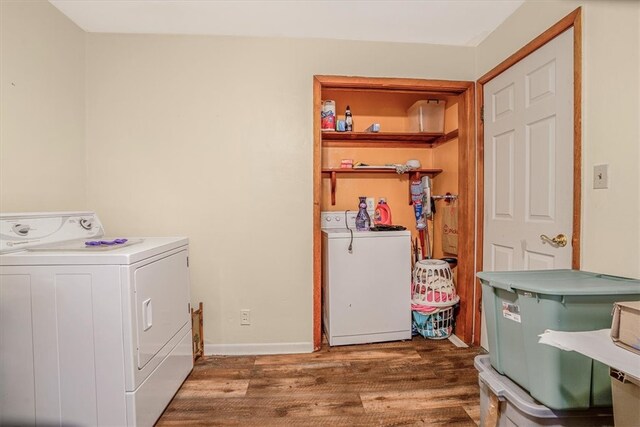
386	139
414	174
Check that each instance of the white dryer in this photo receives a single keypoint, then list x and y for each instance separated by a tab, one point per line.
93	330
366	282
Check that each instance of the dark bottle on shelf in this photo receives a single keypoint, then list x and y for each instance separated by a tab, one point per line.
348	120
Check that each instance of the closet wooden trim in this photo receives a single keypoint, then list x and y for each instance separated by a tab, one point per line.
573	19
467	185
466	215
317	197
386	84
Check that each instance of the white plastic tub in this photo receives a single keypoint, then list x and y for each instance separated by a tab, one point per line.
517	408
427	116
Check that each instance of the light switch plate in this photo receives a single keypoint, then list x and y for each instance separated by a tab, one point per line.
600	176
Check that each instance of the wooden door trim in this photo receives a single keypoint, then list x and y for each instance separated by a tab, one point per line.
466	185
551	33
572	20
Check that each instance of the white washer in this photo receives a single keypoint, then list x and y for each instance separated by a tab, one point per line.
366	290
89	335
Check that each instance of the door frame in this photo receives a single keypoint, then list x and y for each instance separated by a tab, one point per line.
572	20
466	186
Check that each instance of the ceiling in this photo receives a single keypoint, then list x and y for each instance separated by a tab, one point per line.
453	22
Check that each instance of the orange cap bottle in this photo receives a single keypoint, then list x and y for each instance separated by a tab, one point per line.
382	213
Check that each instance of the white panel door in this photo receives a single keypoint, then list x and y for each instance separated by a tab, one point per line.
528	161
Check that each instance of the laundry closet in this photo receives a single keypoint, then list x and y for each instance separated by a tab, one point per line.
380	169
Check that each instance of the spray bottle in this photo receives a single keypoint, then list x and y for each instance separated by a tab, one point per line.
428	214
426	199
416	198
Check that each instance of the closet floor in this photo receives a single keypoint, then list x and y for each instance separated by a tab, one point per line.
418	382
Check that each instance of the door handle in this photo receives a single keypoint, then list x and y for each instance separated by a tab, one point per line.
560	241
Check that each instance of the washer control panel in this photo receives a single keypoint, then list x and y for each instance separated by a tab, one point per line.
26	230
338	219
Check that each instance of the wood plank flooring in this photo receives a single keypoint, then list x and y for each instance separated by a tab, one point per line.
418	382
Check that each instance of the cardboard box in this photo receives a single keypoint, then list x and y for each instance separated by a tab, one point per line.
626	399
625	328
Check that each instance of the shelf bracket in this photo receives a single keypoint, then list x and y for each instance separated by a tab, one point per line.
334	182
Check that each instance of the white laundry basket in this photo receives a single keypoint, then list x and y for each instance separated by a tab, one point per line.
432	286
433	296
437	325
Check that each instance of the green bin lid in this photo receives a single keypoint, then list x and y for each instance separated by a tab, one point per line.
560	282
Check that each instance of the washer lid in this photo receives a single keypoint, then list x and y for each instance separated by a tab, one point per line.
342	233
58	238
125	255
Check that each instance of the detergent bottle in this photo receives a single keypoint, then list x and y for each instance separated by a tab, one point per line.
382	214
363	222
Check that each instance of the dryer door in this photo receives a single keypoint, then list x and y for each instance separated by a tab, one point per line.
161	303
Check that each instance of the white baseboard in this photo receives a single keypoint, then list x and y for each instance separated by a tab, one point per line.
457	341
254	349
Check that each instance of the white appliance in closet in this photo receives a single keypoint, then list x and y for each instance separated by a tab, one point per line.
89	335
366	282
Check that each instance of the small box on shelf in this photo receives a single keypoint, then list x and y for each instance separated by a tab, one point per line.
346	163
375	127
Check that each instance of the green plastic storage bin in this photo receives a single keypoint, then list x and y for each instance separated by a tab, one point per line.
521	305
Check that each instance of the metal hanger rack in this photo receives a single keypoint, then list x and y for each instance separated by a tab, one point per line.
448	197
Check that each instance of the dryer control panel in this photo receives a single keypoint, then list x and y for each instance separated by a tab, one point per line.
21	231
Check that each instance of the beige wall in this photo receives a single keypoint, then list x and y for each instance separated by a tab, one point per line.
42	150
611	135
212	137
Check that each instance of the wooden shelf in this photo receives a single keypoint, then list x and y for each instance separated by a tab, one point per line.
414	174
380	136
386	139
430	172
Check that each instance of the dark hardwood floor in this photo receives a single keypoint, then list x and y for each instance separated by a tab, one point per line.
418	382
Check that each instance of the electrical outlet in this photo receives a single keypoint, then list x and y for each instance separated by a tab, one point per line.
245	317
601	176
371	204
